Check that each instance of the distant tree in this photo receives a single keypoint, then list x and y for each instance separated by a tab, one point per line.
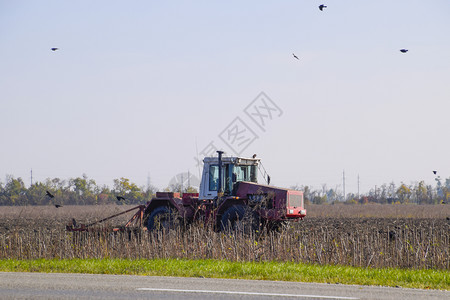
14	192
351	201
320	199
392	190
383	194
318	196
58	188
84	190
420	193
366	200
148	192
130	191
404	193
331	195
351	198
445	189
36	194
180	188
105	195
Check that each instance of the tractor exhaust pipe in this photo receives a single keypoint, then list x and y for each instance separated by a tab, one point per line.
219	186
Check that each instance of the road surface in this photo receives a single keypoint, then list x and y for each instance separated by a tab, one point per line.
92	286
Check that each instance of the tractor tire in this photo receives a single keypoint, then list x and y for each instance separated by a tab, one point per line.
239	218
163	218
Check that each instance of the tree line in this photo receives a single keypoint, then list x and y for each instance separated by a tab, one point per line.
75	191
85	191
417	193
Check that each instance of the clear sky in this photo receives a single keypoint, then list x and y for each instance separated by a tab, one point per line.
141	88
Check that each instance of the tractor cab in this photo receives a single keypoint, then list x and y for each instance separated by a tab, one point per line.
223	178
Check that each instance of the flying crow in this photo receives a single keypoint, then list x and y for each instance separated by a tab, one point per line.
322	6
49	194
120	198
54	49
295	56
58	206
403	50
434	172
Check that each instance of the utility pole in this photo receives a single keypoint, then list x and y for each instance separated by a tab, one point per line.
31	177
343	182
358	186
189	179
182	182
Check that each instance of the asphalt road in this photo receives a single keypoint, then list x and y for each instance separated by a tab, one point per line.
88	286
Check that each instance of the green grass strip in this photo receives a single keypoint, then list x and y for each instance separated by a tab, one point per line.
281	271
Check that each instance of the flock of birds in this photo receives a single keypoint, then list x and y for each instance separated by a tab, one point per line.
321	7
120	198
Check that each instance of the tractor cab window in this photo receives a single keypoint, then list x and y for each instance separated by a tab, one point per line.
245	173
213	177
231	174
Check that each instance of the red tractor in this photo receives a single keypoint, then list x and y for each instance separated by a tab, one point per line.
230	198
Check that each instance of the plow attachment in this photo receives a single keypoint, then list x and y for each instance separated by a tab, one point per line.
135	221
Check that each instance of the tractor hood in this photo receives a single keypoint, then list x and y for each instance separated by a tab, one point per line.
274	197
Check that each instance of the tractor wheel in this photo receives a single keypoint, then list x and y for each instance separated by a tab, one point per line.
163	218
239	218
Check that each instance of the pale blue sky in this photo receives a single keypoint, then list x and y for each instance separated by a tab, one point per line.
139	87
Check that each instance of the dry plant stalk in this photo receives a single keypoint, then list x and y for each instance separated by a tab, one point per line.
368	242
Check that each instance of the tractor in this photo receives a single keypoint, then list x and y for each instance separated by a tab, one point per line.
230	198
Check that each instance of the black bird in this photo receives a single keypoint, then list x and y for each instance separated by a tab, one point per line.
392	235
295	56
254	156
403	50
322	6
120	198
54	49
434	172
49	194
58	206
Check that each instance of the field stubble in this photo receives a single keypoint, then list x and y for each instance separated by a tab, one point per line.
379	236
